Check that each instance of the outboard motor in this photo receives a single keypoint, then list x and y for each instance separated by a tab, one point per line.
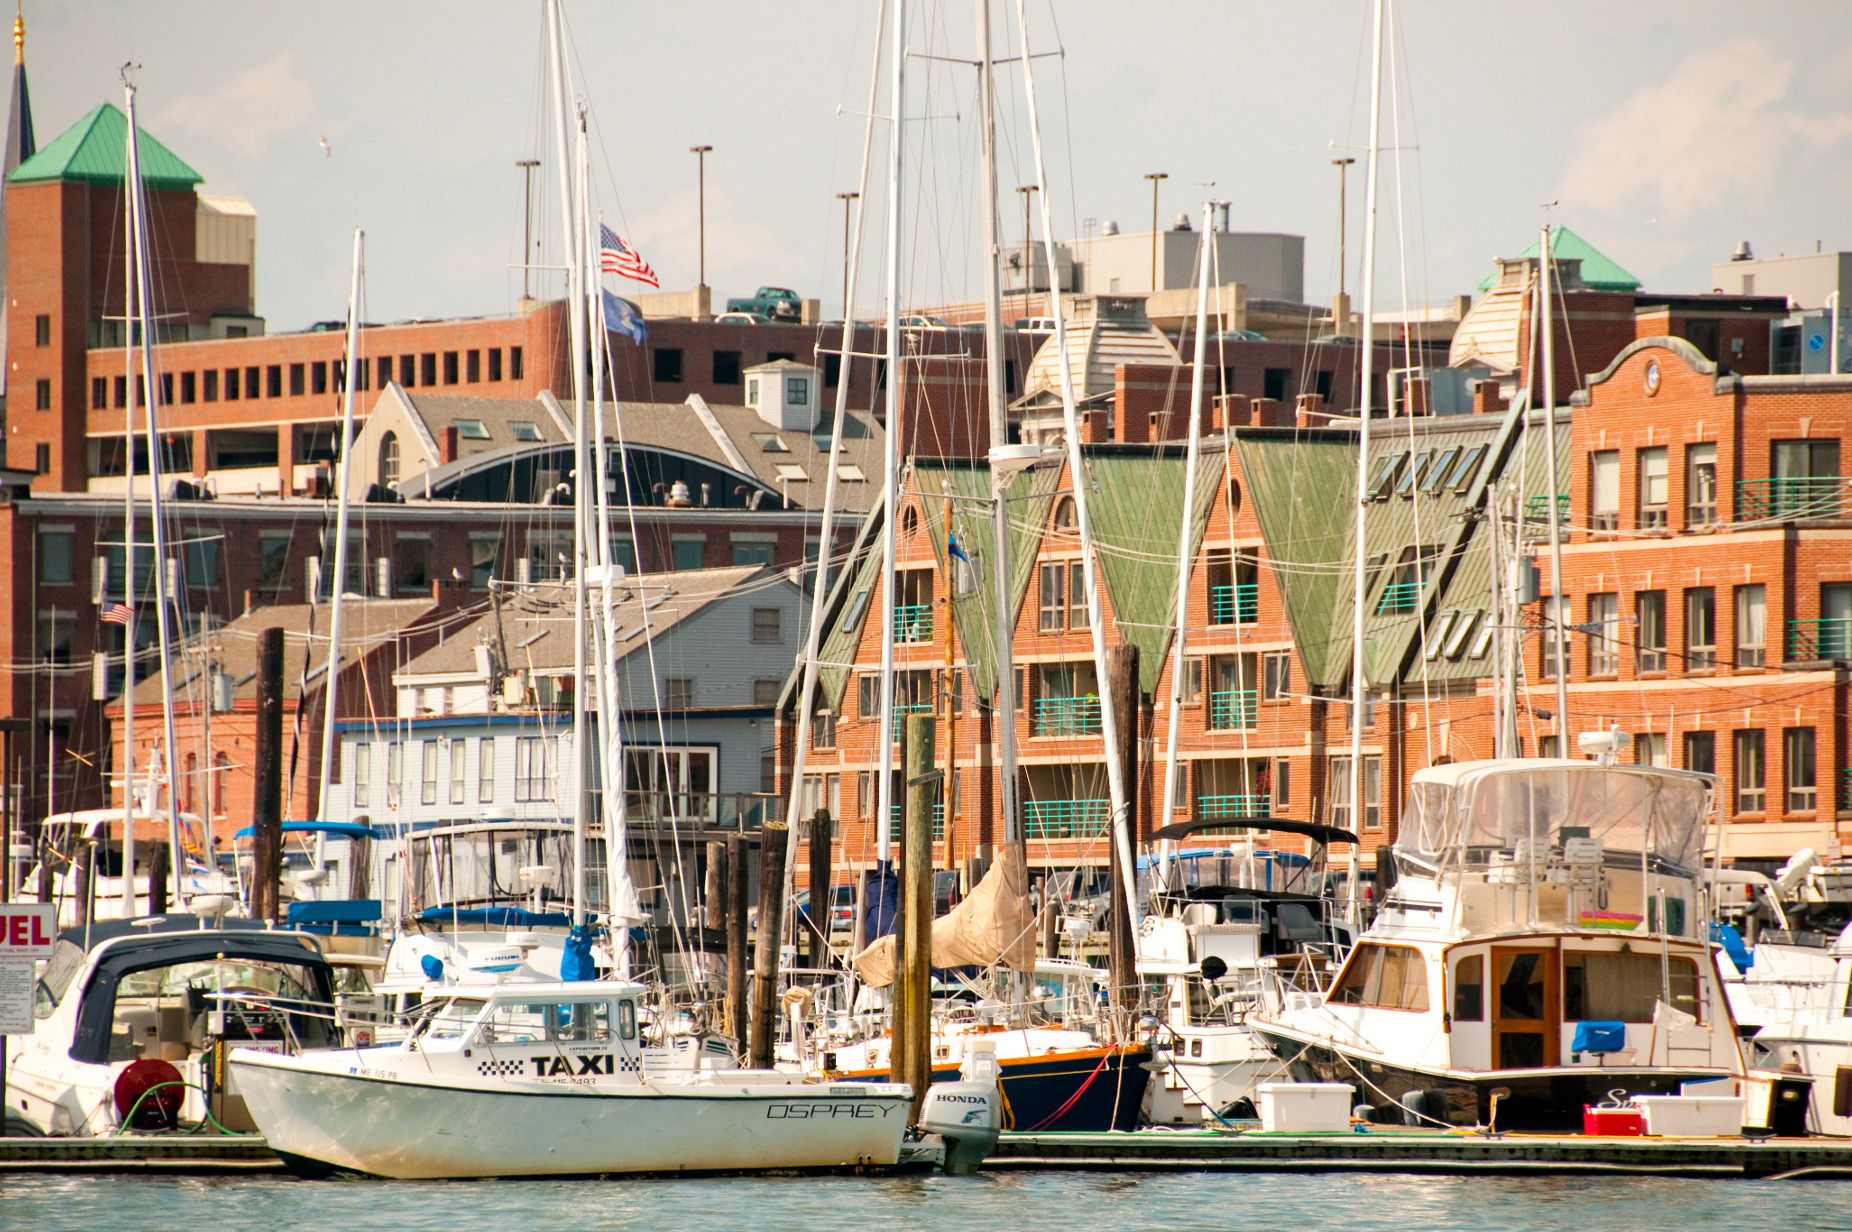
966	1114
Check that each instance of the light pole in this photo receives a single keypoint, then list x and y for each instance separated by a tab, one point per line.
848	200
1343	166
527	166
701	152
1155	177
1028	192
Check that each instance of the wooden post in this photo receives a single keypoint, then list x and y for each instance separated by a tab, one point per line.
1051	920
771	929
736	938
82	876
160	874
714	889
267	803
822	893
1121	959
912	1014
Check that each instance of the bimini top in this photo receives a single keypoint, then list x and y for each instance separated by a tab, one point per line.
1463	812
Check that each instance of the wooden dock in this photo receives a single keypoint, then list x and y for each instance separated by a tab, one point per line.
191	1153
1392	1150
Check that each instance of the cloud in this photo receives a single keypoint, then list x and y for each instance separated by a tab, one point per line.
247	114
1722	125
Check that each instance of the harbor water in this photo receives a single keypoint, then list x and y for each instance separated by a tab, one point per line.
1330	1202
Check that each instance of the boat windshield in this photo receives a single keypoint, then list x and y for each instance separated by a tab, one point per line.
1632	809
484	868
449	1018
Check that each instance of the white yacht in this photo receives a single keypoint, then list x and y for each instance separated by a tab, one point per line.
1541	947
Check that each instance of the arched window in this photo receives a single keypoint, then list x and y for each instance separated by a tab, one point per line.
909	522
389	459
1064	515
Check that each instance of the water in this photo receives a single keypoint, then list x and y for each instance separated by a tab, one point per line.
1081	1201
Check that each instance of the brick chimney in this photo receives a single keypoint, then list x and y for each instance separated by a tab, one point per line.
1417	396
1310	411
1486	399
447	446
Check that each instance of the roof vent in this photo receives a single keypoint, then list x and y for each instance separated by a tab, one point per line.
1182	223
1109	227
1743	252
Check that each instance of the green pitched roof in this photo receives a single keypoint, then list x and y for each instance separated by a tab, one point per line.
1598	270
93	151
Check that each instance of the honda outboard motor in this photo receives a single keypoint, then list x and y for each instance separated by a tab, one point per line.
966	1114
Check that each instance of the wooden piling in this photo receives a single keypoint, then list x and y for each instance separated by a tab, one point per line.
911	1062
736	939
822	893
267	802
714	889
1121	958
160	876
771	931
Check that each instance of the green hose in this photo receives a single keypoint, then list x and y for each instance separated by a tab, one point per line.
129	1117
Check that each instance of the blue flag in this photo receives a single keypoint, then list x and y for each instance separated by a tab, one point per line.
954	551
621	318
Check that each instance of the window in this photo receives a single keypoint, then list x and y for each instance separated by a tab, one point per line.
427	772
1701	752
1077	597
411	565
1649	611
1466	470
1604	489
41	330
485	766
389	459
1700	485
189	387
726	367
524	430
57	557
752	551
533	768
1804	480
483	552
472	430
1700	628
1282	784
1653	487
42	394
459	768
472	367
678	692
427	368
41	459
1276	676
823	730
1751	771
1393	977
1603	640
1751	625
272	560
298	379
1799	772
666	364
1273	383
1649	749
57	638
1052	606
450	367
361	775
495	363
394	773
765	690
1341	815
752	391
868	695
1556	621
688	551
767	626
797	391
201	559
318	376
1622	986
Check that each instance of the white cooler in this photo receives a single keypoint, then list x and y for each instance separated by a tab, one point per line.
1692	1116
1305	1107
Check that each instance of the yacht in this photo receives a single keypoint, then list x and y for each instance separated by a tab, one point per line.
1540	947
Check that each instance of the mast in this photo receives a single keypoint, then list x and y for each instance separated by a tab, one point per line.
575	307
128	556
1184	560
1556	527
329	706
1358	686
1116	785
890	461
1004	719
145	319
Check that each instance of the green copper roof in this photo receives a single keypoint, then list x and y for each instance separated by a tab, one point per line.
1598	270
94	151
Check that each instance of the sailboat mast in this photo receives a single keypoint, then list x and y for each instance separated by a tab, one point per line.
1546	322
890	461
329	698
132	402
145	320
1366	363
575	311
1117	788
1184	556
1004	719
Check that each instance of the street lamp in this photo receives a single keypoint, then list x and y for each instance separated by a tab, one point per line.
848	199
1343	166
1028	192
1155	177
527	166
701	152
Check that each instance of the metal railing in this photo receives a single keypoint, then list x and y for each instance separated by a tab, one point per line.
938	818
1237	604
913	622
1829	637
737	810
1066	716
1065	818
1237	805
903	709
1537	508
1794	496
1234	708
1398	597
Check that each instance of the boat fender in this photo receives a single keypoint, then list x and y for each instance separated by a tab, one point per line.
1425	1109
433	967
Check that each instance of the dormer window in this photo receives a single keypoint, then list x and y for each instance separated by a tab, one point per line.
797	391
524	431
472	430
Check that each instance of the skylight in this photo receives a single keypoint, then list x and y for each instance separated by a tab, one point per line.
770	442
524	430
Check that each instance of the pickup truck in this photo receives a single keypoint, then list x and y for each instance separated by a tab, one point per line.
778	303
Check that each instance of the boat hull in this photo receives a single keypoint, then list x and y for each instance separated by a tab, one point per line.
1087	1091
1541	1100
321	1121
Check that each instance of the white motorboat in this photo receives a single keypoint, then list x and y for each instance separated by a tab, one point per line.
538	1079
1540	948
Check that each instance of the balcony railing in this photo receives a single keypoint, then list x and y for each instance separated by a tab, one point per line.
1537	508
1237	604
913	622
1233	708
902	710
938	818
1796	496
1065	818
1067	716
1829	637
1238	805
1398	597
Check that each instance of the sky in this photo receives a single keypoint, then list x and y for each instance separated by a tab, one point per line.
1663	134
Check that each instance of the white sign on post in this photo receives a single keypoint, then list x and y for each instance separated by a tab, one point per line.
27	931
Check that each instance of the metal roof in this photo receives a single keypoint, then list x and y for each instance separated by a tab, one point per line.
1599	271
94	151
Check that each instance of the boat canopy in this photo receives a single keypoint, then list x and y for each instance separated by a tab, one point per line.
1309	829
334	829
1467	811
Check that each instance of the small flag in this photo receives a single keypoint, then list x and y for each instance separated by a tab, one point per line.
956	552
119	614
617	257
964	573
621	317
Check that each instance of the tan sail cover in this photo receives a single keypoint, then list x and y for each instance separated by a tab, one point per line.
992	925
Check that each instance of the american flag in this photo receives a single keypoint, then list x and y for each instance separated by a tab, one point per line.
119	614
617	257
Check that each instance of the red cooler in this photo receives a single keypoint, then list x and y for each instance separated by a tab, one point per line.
1623	1122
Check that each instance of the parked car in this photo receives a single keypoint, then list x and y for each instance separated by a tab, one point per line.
842	907
919	320
771	303
1035	325
743	318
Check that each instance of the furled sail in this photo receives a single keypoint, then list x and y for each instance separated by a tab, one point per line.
992	925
